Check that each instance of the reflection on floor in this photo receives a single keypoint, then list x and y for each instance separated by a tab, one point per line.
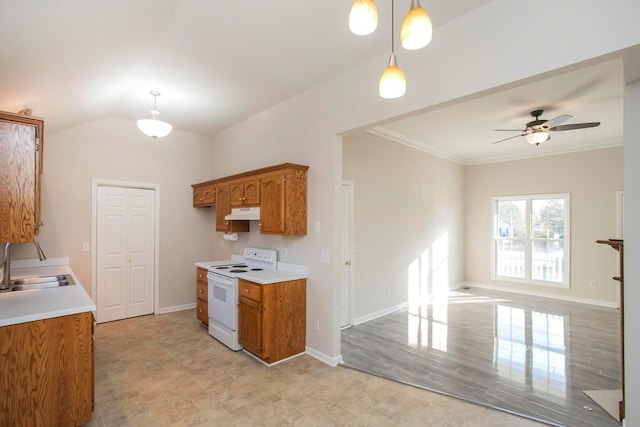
526	355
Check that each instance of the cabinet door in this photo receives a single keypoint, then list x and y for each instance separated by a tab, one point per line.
20	177
252	192
223	208
250	325
236	193
272	207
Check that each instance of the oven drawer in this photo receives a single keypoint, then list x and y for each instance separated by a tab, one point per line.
250	290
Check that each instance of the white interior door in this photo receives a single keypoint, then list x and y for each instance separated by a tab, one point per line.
347	254
125	245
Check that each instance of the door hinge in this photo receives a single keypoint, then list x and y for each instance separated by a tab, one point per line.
37	144
261	309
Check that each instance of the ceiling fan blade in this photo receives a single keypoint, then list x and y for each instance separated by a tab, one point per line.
506	139
508	130
574	126
558	120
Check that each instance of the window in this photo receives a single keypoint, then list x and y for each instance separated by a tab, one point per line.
531	239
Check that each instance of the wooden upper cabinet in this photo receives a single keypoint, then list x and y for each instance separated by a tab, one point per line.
21	145
283	207
204	195
244	192
223	208
280	191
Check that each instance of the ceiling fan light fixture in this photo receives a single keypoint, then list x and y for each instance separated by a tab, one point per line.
154	127
537	137
417	30
392	84
363	17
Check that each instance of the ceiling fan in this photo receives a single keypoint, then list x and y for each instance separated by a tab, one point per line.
537	131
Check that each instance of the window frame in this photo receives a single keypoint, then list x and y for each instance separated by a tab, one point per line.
529	239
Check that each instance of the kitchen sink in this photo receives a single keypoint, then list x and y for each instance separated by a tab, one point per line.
41	282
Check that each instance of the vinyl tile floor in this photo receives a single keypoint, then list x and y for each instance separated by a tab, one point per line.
165	370
525	355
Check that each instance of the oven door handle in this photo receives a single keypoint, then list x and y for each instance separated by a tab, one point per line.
220	279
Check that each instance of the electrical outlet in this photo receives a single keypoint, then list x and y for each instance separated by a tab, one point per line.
593	284
316	325
386	291
284	252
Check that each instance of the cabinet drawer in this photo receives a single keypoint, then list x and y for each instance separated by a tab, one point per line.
250	290
202	311
202	291
201	275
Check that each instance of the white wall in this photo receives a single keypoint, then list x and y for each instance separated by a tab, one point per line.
592	179
408	219
114	149
632	251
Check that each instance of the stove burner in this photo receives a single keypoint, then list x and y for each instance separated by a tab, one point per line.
237	271
257	269
222	268
239	266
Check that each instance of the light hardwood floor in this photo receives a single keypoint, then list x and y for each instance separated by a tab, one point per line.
525	355
167	371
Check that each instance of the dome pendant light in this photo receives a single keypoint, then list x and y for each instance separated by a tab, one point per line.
392	81
416	31
363	17
154	127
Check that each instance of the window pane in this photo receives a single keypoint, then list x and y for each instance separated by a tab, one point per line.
510	257
547	219
511	219
547	260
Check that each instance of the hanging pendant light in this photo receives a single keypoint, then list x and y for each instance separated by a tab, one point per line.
363	17
392	81
416	31
154	127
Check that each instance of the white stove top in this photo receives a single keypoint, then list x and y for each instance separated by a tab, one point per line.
252	259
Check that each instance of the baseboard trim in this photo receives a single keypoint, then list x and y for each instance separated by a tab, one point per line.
541	294
166	310
331	361
381	313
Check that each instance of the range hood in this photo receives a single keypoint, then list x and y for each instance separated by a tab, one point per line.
244	213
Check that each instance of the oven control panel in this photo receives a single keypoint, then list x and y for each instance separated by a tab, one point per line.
266	255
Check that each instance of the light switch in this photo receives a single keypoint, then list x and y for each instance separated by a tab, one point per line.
317	226
85	247
324	257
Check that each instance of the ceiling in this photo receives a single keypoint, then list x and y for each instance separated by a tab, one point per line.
464	132
219	62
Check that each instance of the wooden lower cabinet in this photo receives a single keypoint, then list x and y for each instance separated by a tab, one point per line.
272	318
202	301
47	369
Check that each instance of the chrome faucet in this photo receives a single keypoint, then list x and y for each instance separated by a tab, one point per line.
6	263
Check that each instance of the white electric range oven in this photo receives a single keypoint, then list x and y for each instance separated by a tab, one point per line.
223	292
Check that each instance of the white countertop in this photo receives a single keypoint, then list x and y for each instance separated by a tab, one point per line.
37	304
265	277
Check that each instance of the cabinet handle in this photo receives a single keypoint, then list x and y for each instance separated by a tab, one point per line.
246	290
201	291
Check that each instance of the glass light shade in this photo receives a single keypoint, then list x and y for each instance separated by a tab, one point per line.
416	31
538	137
392	81
153	127
363	17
